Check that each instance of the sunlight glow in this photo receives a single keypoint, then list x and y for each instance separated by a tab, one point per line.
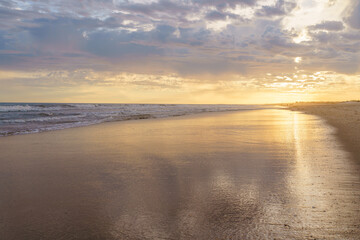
218	25
298	59
303	36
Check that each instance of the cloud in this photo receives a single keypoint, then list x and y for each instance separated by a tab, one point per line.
6	3
280	8
216	15
219	4
5	42
353	19
112	45
171	37
275	39
162	6
328	25
163	33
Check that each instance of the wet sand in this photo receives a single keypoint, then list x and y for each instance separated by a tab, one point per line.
344	116
264	174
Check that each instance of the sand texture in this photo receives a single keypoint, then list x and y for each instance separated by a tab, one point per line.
345	117
263	174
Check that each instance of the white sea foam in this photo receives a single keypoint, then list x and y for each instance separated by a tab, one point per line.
16	108
18	118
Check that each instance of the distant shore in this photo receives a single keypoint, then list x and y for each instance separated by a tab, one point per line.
344	116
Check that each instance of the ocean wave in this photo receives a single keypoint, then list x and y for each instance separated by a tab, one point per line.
48	118
42	107
18	118
15	108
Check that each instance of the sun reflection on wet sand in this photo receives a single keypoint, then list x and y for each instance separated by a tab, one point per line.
328	189
241	175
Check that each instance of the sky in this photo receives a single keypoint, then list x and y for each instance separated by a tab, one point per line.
183	51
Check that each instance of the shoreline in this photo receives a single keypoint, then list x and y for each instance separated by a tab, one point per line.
344	116
135	119
150	179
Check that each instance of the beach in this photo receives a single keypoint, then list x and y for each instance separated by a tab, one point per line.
344	116
251	174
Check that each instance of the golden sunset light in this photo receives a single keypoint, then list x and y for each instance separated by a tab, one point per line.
179	119
179	52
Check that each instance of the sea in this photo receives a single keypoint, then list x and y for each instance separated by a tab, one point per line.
24	118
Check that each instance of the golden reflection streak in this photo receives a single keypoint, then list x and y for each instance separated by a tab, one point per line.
321	171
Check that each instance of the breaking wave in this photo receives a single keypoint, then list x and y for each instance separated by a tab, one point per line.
22	118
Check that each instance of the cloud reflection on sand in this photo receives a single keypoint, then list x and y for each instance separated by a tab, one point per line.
254	174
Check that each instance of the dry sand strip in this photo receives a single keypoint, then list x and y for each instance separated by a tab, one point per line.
344	116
